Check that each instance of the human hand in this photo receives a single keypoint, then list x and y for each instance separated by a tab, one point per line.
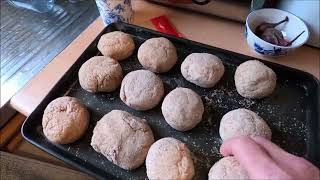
264	160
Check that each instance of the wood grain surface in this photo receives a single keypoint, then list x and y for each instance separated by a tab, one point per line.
15	167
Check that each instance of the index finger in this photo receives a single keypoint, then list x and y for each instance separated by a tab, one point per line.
252	157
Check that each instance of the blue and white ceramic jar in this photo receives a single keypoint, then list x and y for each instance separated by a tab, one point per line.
115	10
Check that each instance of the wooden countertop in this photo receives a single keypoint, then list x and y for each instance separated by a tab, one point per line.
205	29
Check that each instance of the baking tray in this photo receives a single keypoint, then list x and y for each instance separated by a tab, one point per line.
292	111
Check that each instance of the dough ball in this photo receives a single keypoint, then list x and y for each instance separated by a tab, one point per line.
117	45
202	69
182	108
141	90
227	168
100	74
122	138
254	80
157	55
169	158
65	120
243	122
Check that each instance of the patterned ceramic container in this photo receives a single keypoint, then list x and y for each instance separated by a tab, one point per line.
115	10
289	30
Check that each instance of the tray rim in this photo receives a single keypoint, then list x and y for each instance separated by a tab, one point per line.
84	168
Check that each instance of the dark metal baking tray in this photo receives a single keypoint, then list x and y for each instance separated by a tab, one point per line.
292	111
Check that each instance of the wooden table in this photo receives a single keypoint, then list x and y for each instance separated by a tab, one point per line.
205	29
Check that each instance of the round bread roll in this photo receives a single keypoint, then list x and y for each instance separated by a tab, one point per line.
141	90
169	158
243	122
202	69
254	80
157	55
65	120
123	139
182	108
227	168
100	74
117	45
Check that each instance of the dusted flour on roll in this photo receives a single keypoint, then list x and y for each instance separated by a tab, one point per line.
182	109
169	158
117	45
227	168
100	74
122	138
255	80
158	55
141	90
243	122
202	69
65	120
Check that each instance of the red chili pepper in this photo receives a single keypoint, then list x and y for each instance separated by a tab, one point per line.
163	24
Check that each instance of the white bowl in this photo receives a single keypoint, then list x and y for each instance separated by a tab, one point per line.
289	29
